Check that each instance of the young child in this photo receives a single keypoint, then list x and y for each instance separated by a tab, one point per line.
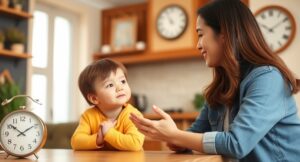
106	125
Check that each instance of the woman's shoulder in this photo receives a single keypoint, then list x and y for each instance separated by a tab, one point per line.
267	71
264	76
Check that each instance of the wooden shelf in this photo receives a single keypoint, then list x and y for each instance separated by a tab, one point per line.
116	54
14	13
146	56
8	53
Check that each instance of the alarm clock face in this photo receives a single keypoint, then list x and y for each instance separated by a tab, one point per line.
22	133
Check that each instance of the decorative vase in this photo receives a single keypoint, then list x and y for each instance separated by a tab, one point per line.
17	47
4	3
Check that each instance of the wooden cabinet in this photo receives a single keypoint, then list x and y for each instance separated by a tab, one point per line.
182	120
17	16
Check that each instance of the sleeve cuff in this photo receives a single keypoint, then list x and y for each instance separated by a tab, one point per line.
209	142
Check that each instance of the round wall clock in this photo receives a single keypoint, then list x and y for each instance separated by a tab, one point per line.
171	22
277	25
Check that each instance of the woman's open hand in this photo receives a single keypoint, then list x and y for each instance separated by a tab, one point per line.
156	129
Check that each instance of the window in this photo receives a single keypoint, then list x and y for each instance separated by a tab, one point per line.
52	63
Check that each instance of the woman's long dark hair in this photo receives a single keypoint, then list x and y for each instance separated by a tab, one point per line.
244	42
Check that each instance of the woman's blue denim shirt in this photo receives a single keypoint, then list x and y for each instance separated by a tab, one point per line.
264	124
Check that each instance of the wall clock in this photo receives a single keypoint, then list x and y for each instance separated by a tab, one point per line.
171	22
22	133
277	25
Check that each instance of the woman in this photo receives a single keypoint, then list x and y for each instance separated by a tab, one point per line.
250	113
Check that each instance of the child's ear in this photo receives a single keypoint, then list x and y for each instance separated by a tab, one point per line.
93	99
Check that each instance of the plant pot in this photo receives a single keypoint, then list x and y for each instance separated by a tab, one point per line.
1	46
4	3
17	47
18	7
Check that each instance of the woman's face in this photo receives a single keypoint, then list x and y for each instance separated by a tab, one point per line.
209	44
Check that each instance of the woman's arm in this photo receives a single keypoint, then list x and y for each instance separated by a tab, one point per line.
166	130
201	124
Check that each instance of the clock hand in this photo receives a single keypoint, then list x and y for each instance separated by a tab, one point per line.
15	128
267	28
25	131
170	19
276	25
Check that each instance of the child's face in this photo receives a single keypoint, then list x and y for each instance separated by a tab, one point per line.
112	92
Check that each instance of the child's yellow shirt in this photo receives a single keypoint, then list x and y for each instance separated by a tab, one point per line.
124	135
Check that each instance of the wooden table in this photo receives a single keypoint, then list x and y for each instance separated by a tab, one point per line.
64	155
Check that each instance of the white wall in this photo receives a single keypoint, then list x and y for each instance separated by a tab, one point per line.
170	84
291	55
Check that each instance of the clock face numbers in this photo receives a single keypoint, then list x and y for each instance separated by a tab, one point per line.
171	22
276	27
21	133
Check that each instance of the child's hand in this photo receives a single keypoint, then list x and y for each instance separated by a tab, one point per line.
107	125
99	140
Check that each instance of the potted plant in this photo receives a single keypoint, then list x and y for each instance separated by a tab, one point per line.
18	4
4	3
198	101
2	39
16	39
8	90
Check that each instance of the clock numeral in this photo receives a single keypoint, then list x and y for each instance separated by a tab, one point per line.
29	146
22	118
22	148
9	126
288	28
15	120
6	133
285	19
34	141
279	43
15	145
271	12
36	126
285	36
9	141
29	120
278	14
263	16
38	133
